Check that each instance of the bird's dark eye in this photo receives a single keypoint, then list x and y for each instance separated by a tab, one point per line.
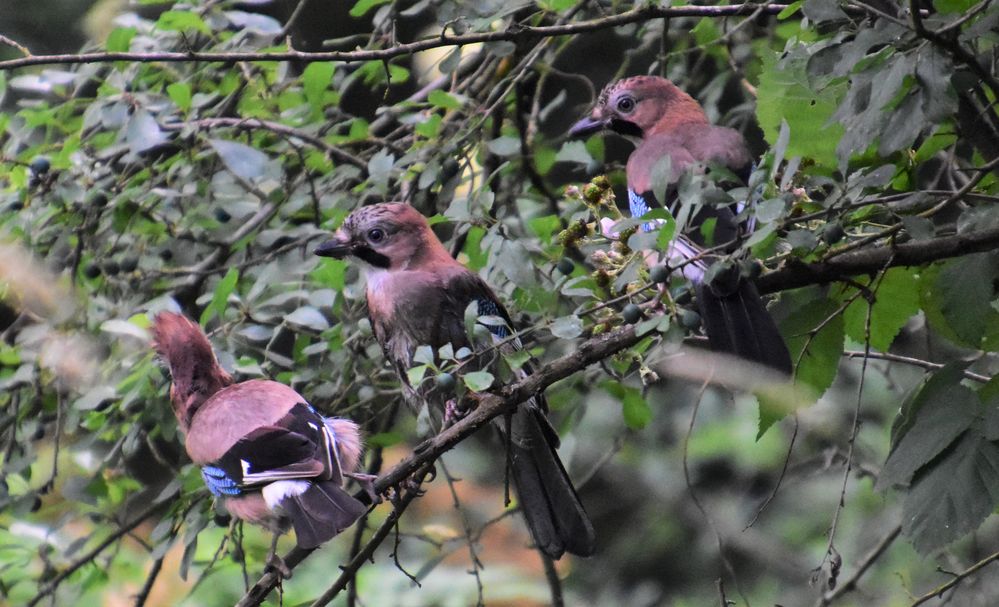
376	235
626	105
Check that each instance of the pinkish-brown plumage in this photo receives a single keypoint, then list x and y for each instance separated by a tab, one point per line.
418	295
670	128
262	448
196	374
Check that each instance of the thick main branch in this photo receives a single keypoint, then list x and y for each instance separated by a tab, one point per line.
873	259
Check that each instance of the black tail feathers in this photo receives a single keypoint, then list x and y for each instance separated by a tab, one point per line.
321	512
738	323
554	514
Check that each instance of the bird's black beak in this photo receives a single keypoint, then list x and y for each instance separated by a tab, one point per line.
337	247
587	126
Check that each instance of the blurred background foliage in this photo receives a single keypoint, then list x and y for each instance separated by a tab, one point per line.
128	187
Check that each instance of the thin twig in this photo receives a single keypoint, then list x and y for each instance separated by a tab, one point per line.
939	590
122	531
850	583
147	587
350	570
925	364
693	494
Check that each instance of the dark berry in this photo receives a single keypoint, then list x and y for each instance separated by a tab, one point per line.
128	264
445	381
631	313
751	268
659	274
98	199
689	318
449	169
40	165
39	433
92	271
166	254
832	232
222	216
111	268
222	519
565	266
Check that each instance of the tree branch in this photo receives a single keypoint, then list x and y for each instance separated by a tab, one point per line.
491	405
274	127
865	261
122	531
516	33
939	590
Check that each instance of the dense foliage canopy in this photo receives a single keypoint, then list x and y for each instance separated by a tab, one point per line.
193	155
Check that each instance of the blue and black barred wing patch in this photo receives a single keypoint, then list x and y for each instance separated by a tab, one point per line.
638	205
491	317
299	446
219	483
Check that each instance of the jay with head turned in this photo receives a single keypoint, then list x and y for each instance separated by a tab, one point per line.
262	448
671	130
417	295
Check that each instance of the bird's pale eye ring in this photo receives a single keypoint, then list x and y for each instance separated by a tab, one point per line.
626	104
376	235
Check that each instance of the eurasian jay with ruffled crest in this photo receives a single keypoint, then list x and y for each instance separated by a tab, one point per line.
671	127
261	447
417	294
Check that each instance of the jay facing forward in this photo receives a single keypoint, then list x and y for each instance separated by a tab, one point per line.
417	294
261	447
671	128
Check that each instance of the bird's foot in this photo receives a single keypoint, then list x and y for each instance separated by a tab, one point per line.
367	483
409	486
277	564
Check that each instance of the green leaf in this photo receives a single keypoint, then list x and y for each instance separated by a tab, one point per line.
545	226
557	6
120	39
785	93
180	94
179	21
415	374
504	146
362	7
817	358
308	317
220	298
962	294
477	257
143	132
242	160
574	151
789	10
442	99
953	496
896	301
941	410
567	327
953	6
424	354
478	381
637	413
316	80
938	383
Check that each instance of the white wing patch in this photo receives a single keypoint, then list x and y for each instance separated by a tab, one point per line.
275	493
